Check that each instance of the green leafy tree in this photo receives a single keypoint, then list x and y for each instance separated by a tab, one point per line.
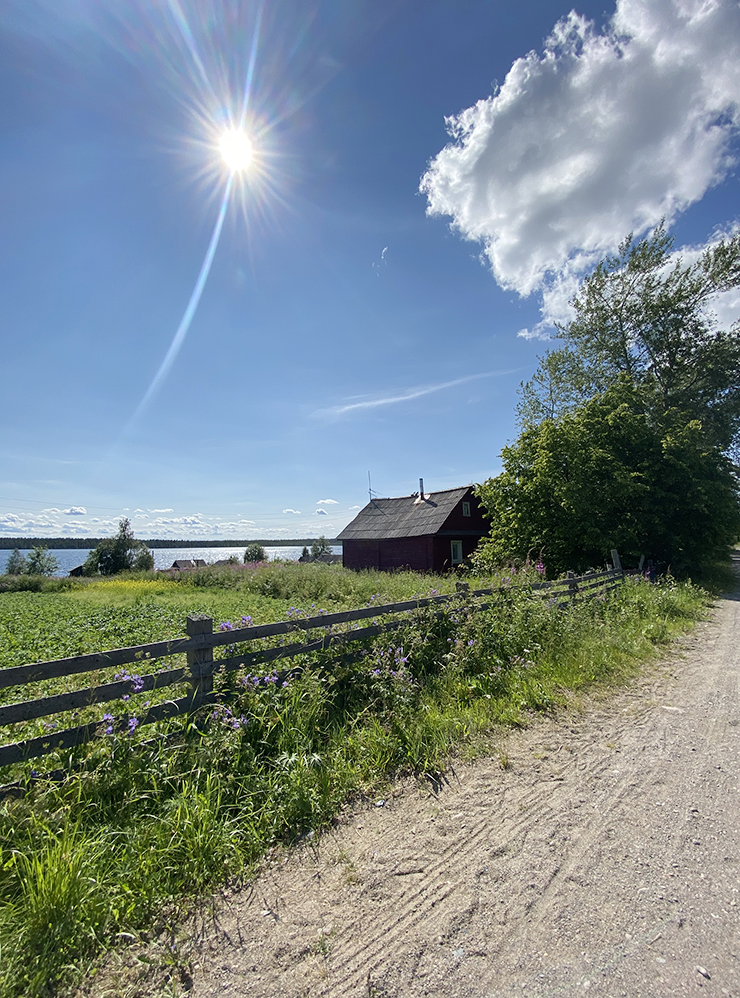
254	552
122	553
643	314
16	564
320	547
41	562
609	475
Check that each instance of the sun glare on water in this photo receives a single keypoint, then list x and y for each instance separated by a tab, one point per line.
236	150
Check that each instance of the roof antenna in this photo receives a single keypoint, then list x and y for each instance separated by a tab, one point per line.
371	495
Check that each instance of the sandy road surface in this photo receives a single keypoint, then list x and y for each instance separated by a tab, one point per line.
604	861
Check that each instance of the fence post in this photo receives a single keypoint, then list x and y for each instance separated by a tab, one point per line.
200	662
572	584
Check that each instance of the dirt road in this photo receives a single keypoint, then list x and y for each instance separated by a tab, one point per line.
604	860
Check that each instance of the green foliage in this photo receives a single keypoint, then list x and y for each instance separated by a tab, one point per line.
145	824
627	427
320	547
122	553
254	552
607	476
16	563
644	316
41	562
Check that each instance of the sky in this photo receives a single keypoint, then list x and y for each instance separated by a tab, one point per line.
221	354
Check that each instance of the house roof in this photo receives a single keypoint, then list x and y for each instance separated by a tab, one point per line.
405	516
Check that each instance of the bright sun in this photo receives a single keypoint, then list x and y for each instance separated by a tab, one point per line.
236	150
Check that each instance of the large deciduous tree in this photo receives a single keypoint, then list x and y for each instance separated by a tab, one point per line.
648	315
627	428
608	476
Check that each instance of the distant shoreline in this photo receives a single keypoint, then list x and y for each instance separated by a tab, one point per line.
83	543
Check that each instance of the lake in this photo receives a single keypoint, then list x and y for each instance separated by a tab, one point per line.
70	558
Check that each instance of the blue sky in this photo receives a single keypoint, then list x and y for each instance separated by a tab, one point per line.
431	180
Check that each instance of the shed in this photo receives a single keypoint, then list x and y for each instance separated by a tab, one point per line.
426	533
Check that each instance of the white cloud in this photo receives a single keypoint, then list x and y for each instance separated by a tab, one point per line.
292	511
75	511
602	134
327	502
321	512
355	507
167	510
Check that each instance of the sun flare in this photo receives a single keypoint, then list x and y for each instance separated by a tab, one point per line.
236	150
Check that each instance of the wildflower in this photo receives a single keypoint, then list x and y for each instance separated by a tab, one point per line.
247	621
226	625
133	724
471	642
539	567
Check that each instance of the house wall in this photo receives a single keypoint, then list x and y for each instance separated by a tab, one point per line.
416	553
476	521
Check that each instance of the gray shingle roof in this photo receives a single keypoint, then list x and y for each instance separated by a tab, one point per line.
403	517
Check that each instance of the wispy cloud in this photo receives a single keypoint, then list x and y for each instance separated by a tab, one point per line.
292	511
327	502
408	395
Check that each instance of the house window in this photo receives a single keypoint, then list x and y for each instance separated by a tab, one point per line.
456	549
466	509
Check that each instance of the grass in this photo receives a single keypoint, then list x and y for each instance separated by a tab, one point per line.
141	828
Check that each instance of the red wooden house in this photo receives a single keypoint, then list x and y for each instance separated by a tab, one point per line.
427	533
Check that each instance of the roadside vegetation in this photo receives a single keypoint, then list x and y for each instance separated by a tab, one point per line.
145	824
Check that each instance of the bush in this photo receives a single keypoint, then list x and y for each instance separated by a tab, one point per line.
254	552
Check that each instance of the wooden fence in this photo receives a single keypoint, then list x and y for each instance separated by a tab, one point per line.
198	674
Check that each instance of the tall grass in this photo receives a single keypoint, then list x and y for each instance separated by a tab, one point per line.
146	825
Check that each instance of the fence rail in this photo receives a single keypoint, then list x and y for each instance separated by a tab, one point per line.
201	666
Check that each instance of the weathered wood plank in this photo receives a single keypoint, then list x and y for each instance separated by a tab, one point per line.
30	709
291	651
33	748
20	675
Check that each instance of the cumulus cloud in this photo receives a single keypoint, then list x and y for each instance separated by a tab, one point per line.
601	134
327	502
167	510
75	511
321	512
292	511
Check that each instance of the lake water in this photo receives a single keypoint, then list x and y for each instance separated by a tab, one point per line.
70	558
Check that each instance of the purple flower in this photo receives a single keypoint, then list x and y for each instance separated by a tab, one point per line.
226	625
539	567
471	642
247	621
133	724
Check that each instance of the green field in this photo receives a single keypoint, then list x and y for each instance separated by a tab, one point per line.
146	823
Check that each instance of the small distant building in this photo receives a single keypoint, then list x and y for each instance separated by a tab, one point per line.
187	564
426	533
